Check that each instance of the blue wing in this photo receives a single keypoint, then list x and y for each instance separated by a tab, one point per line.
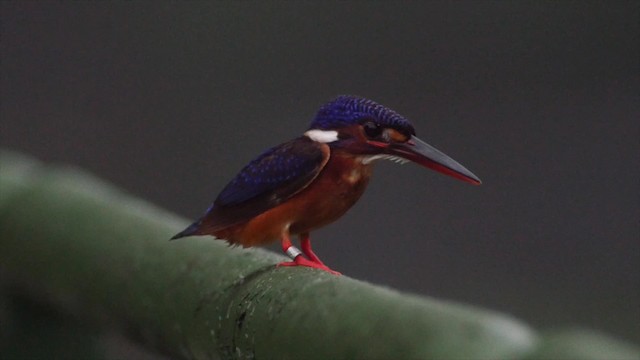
276	175
272	178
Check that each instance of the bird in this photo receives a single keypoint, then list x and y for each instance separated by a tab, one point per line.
312	180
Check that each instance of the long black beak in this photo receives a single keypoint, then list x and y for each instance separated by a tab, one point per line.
426	155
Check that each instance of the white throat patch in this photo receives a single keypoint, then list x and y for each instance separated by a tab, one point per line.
323	136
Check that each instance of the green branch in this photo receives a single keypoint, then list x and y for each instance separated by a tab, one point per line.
103	256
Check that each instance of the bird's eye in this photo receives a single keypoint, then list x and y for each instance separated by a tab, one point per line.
372	129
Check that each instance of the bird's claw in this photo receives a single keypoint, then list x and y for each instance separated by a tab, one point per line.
302	261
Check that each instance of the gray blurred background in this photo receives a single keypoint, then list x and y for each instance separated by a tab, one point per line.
539	99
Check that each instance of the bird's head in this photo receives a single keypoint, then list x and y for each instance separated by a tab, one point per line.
367	129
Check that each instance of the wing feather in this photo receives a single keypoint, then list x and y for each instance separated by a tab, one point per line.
267	181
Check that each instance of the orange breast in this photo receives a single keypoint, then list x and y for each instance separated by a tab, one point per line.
338	186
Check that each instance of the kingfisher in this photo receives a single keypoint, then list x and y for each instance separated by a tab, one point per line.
312	180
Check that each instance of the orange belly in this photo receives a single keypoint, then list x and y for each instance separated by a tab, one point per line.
338	186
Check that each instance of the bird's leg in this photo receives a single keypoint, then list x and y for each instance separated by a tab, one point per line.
290	250
298	259
305	244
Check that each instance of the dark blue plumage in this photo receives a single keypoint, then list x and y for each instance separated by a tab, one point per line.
349	110
290	163
267	181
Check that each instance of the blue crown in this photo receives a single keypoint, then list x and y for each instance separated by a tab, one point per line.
349	110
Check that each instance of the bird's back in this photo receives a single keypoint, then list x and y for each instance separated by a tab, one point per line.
266	182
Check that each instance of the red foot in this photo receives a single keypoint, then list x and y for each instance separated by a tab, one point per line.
305	244
302	261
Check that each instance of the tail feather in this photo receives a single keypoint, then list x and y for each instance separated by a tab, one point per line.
193	229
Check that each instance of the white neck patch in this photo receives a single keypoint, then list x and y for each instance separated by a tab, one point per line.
323	136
